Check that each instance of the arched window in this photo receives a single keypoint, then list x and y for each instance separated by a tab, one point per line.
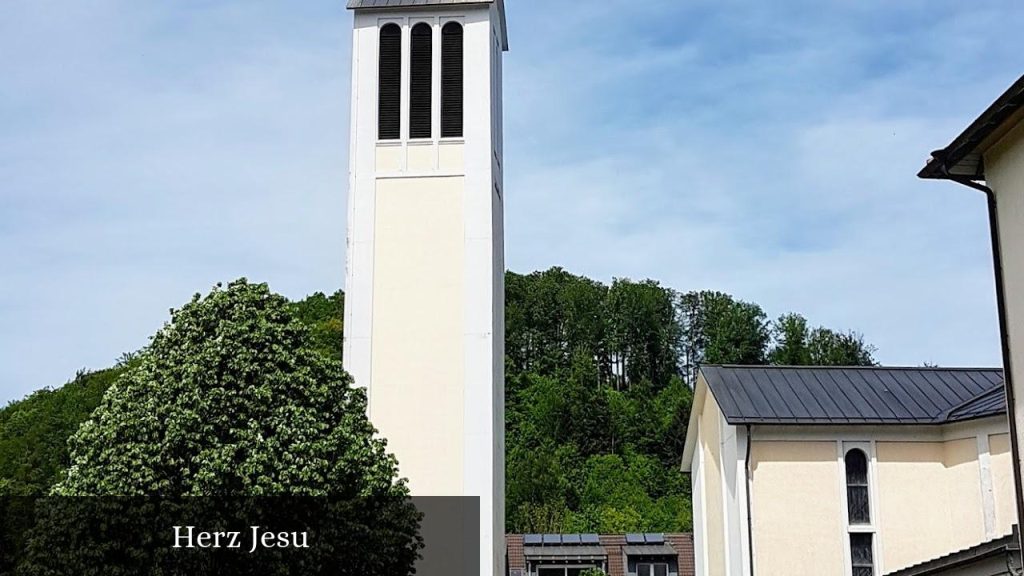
389	76
857	487
420	81
859	513
451	80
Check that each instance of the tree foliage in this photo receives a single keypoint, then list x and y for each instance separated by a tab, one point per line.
795	344
229	399
597	396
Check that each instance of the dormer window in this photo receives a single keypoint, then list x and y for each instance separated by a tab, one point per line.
421	81
389	94
451	80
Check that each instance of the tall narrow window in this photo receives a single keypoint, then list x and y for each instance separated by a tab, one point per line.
858	505
857	487
861	556
421	81
451	80
389	75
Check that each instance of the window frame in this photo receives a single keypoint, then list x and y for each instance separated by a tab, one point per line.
441	80
433	72
381	26
868	448
652	565
565	567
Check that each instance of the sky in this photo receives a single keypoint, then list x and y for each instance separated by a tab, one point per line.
149	150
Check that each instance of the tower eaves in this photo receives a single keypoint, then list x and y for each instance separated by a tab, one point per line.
386	4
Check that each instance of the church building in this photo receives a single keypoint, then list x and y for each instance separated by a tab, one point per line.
816	471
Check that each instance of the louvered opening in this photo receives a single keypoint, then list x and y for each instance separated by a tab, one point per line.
389	99
420	81
451	80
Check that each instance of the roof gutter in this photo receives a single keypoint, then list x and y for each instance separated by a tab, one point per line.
1004	338
750	509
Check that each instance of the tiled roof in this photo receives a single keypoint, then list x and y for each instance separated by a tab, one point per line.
854	395
514	551
615	546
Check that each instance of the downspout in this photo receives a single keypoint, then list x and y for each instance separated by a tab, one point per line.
1004	335
750	511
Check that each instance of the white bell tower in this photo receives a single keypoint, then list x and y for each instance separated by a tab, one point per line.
424	307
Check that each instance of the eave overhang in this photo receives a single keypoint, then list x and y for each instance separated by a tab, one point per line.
962	159
385	5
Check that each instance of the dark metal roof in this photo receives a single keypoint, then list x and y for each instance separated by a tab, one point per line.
854	395
387	4
962	158
359	4
952	563
987	404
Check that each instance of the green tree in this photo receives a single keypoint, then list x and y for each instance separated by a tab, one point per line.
645	336
34	432
797	345
791	347
831	348
230	400
324	315
718	329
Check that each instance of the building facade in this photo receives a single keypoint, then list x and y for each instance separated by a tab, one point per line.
424	310
613	554
989	156
845	471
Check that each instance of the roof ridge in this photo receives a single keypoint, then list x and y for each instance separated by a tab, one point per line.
908	368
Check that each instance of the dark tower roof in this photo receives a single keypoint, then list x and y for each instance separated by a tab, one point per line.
387	4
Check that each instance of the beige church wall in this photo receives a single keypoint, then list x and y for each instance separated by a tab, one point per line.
389	158
1002	482
714	529
451	157
421	157
417	342
797	518
1004	173
936	485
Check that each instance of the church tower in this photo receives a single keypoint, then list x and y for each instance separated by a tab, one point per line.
424	308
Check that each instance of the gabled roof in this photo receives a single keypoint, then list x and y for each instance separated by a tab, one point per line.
854	395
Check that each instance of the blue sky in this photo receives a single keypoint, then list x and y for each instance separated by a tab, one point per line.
151	149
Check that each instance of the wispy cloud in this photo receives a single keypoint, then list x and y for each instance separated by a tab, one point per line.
148	150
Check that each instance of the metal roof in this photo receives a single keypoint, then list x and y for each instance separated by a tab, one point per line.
963	157
359	4
987	404
388	4
961	561
854	395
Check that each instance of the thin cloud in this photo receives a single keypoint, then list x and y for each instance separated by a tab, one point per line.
149	150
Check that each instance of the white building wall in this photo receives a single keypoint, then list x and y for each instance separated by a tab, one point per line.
424	318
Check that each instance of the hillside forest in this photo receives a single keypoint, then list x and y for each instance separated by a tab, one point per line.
598	395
